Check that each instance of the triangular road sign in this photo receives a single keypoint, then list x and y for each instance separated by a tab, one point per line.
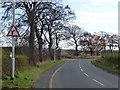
13	32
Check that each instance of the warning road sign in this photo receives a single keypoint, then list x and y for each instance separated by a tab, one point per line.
13	32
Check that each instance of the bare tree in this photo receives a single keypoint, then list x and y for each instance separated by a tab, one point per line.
87	43
56	14
25	16
39	17
73	35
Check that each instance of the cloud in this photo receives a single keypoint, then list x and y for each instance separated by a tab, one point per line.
104	1
92	2
92	21
86	17
71	1
92	14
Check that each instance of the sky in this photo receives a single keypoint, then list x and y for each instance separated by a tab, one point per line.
95	15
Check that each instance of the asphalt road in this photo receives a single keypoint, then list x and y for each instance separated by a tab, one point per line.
77	74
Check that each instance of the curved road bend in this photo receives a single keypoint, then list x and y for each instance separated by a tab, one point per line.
82	74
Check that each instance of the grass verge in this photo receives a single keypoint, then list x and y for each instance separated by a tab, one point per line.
77	57
26	78
109	62
107	67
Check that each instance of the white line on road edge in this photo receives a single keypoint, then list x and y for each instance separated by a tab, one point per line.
86	74
98	82
51	79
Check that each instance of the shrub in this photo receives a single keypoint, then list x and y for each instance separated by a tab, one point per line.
5	62
21	62
109	61
112	58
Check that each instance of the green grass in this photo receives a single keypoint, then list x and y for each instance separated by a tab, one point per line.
77	57
26	78
109	62
107	67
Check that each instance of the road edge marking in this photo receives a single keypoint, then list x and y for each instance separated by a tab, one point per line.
51	79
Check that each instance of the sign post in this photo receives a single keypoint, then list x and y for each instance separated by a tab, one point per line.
13	46
14	33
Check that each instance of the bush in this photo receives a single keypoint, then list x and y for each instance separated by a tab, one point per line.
112	58
109	61
5	62
21	62
67	56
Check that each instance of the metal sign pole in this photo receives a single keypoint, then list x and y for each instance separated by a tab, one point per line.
54	54
55	47
13	46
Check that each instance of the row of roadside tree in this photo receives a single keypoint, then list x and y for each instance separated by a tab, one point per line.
44	24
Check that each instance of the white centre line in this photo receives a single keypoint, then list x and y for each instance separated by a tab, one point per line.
82	70
86	74
79	66
98	82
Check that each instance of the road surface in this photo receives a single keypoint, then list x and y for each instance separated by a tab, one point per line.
77	74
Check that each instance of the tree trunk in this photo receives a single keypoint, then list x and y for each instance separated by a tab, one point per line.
31	46
91	52
40	50
119	49
110	48
39	38
31	18
50	52
76	50
50	42
119	45
57	42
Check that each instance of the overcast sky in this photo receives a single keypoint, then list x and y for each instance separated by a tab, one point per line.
95	15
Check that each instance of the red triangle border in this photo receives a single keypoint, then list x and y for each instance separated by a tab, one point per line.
16	31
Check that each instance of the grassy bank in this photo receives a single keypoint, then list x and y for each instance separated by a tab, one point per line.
109	62
25	78
77	57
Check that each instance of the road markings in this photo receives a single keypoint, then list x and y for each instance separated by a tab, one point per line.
86	74
80	67
51	79
82	70
98	82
